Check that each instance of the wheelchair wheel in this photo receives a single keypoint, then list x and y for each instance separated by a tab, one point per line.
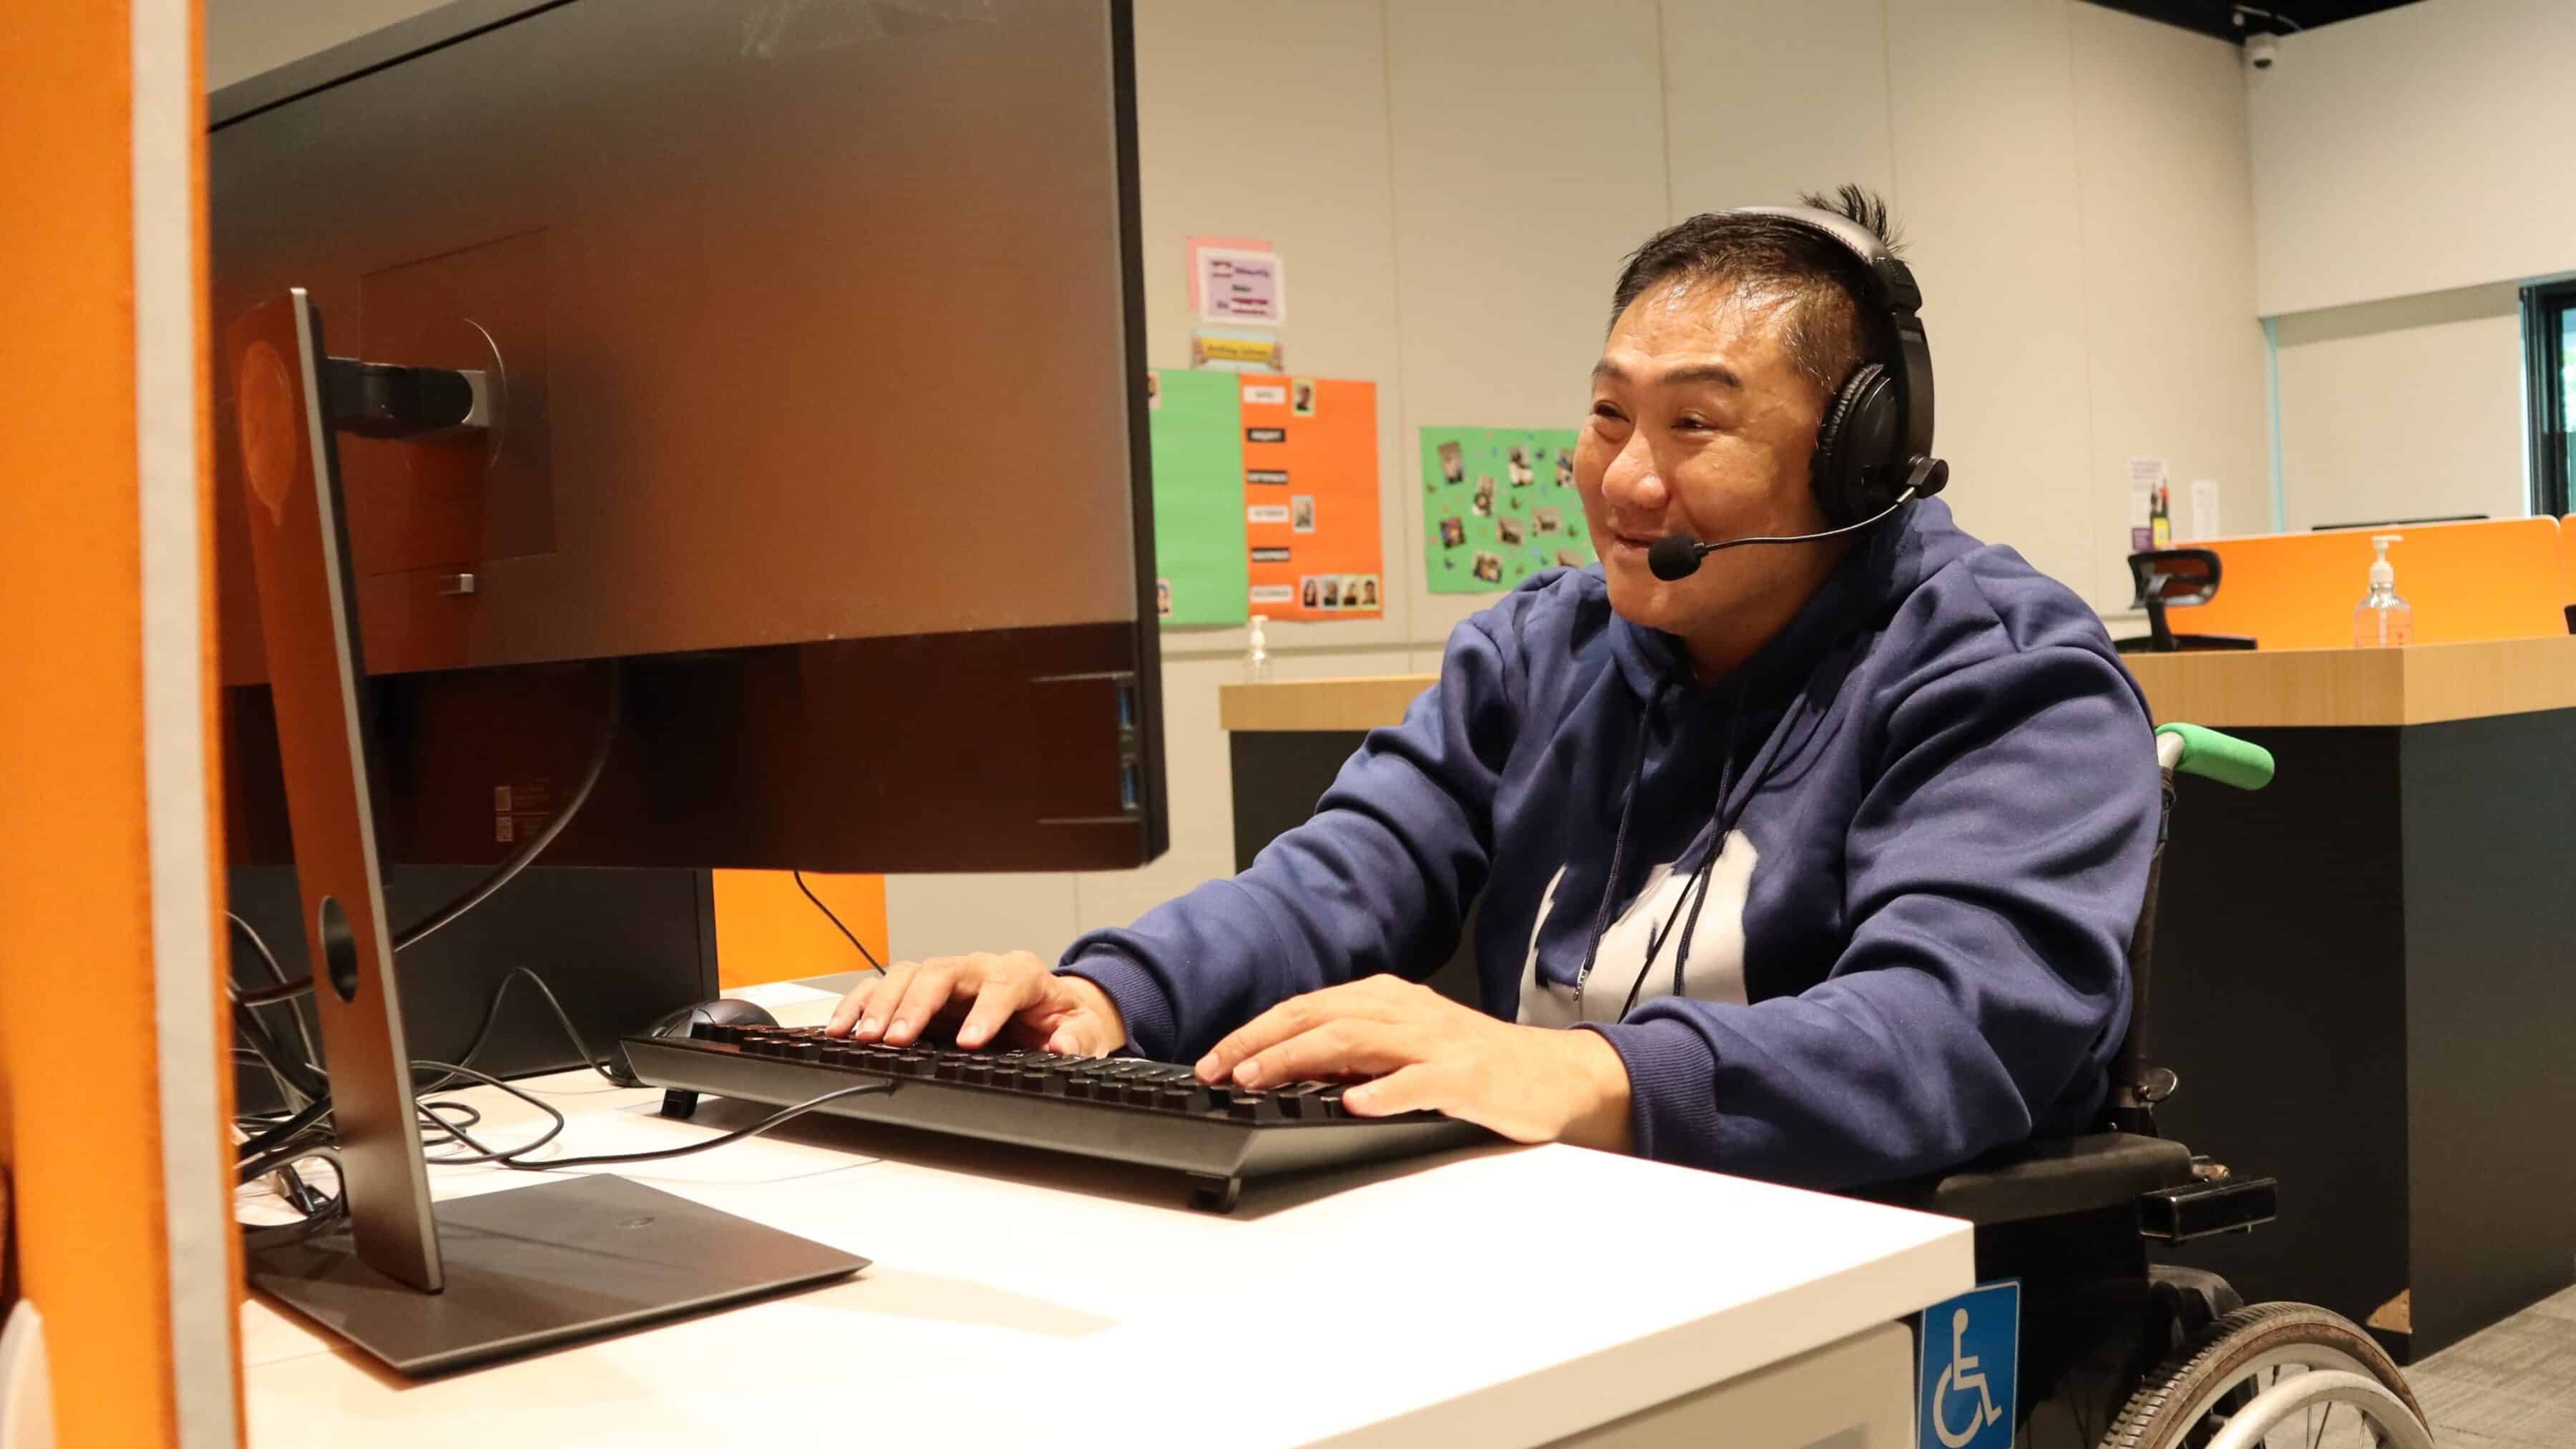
2271	1375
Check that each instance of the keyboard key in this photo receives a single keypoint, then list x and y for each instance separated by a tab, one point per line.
1302	1101
1253	1107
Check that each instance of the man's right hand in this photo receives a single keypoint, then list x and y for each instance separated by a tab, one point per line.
1015	994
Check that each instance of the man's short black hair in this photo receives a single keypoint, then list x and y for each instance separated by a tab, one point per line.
1765	257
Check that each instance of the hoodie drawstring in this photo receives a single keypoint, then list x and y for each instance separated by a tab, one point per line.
1696	893
1618	844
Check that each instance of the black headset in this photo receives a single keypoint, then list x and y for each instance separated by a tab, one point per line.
1876	439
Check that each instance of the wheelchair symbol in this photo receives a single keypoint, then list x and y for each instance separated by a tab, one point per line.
1959	1377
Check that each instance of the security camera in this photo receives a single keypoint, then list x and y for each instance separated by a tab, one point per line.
2261	49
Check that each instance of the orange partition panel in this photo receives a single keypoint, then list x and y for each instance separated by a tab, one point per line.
767	931
2567	560
101	236
2467	581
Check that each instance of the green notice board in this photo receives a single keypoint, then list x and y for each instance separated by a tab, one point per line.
1498	505
1204	573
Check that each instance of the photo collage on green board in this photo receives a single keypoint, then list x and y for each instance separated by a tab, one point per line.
1498	505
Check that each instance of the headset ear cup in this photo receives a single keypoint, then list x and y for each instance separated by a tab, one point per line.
1853	444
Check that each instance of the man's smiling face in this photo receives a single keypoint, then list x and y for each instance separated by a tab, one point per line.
1702	424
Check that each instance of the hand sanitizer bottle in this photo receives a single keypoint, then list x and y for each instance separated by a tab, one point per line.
1256	652
2381	619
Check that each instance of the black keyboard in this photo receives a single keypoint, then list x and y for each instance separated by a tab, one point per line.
1152	1114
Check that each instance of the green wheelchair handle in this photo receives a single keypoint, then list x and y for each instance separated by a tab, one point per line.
2194	750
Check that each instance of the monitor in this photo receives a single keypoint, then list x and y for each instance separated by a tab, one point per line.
2397	522
814	343
664	433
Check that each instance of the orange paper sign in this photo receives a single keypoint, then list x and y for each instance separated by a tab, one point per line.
1310	498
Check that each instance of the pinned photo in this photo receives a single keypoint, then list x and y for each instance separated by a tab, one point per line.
1484	495
1565	467
1453	463
1163	598
1306	591
1453	531
1153	390
1489	567
1511	531
1568	558
1301	398
1328	588
1301	513
1548	520
1350	591
1517	457
1368	591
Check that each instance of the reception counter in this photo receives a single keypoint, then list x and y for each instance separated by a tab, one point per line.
2365	975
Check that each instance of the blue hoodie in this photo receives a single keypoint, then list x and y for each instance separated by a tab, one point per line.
1858	911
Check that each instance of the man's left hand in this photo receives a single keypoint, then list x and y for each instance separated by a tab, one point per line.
1531	1084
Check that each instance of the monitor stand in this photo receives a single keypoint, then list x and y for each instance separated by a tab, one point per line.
427	1289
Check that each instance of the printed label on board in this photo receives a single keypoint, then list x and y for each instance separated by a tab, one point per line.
1266	513
1270	555
1272	393
1265	435
1273	593
1265	475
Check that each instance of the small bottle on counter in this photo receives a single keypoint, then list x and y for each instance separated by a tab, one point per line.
1256	652
2382	620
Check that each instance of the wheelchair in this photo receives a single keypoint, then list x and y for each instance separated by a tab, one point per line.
2119	1353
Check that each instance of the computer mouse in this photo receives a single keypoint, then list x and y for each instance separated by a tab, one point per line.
730	1011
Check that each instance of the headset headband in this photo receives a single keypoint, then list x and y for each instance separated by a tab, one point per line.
1893	294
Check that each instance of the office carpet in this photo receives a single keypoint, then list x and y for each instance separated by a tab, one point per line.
2512	1386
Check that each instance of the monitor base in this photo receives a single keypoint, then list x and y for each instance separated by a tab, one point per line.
537	1267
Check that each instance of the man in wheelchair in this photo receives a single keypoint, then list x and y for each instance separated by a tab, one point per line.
1832	848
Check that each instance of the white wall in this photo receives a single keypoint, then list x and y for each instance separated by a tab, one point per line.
2403	409
2406	180
2415	150
1454	183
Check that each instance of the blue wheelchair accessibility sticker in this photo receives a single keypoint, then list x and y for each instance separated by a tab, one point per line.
1971	1345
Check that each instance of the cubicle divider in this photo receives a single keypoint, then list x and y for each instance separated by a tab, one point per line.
2567	565
767	931
2505	579
112	1097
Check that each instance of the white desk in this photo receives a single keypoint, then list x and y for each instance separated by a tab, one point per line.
1499	1296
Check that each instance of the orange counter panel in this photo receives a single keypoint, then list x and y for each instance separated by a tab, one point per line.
2468	581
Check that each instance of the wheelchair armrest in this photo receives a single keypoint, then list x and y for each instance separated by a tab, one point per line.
2045	1177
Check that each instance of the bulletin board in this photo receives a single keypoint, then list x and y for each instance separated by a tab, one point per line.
1498	505
1265	497
1310	498
1196	423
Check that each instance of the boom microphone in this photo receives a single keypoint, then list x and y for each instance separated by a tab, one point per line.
1676	556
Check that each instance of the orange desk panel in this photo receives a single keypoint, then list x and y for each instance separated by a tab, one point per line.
767	931
2503	579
